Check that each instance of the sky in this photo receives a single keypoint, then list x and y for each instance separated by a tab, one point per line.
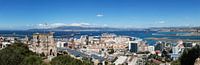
27	14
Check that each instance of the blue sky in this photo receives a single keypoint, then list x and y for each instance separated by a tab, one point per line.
24	14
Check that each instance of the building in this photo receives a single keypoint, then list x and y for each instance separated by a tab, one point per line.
177	49
44	44
4	44
137	46
1	39
188	44
106	37
61	44
197	61
151	48
159	46
133	47
25	40
6	41
121	60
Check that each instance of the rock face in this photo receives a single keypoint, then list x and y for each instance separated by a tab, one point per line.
197	61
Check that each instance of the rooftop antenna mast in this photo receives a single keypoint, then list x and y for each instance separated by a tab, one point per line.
44	30
45	27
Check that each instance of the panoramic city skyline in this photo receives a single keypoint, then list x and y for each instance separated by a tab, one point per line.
28	14
99	32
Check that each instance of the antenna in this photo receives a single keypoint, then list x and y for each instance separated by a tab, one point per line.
44	27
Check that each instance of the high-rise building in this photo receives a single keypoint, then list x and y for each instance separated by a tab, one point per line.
44	44
133	47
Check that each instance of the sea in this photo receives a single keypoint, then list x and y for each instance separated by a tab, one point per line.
140	34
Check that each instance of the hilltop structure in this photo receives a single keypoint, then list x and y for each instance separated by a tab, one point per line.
44	44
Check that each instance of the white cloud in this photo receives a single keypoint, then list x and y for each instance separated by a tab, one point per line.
79	24
161	22
44	26
53	25
99	15
57	24
105	25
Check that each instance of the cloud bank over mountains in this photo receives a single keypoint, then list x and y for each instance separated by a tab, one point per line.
54	25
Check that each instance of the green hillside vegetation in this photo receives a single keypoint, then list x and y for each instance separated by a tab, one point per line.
188	57
19	54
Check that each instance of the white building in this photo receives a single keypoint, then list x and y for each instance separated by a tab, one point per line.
4	44
151	48
121	60
60	44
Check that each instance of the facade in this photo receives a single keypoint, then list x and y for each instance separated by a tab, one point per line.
187	44
177	49
106	37
60	44
121	60
44	44
151	48
137	46
4	44
133	47
6	41
197	61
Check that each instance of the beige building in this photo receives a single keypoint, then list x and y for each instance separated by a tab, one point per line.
197	61
44	44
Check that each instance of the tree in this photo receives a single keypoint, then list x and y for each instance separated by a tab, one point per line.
67	60
62	60
150	63
19	54
32	60
189	56
176	62
154	56
14	54
111	51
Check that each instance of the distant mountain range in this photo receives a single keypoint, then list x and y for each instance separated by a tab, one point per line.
176	29
87	28
84	28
